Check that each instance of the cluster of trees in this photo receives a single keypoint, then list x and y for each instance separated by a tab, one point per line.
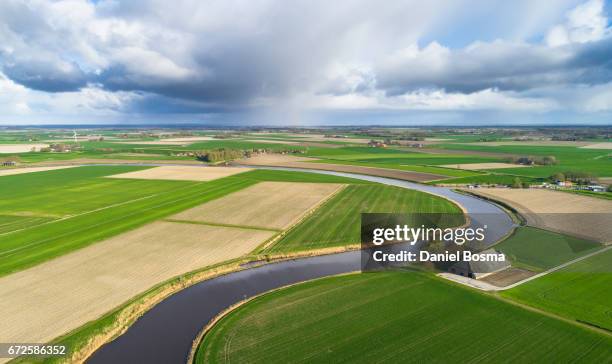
59	148
219	155
517	183
12	158
548	160
581	178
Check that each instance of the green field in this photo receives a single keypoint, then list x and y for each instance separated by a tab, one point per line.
401	159
337	223
79	206
580	291
536	249
595	161
490	179
394	317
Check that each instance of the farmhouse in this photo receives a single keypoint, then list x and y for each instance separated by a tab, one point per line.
376	144
596	188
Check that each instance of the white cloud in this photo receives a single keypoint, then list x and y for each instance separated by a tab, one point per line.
194	56
585	23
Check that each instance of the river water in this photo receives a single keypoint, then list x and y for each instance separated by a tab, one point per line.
165	333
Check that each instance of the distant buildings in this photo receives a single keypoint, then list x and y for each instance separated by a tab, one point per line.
376	144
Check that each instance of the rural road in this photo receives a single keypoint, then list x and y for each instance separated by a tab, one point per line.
165	333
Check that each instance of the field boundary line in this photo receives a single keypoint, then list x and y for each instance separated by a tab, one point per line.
82	213
275	239
554	269
248	227
92	226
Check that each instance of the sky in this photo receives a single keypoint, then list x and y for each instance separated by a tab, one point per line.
311	62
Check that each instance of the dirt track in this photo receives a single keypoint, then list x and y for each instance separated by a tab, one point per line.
279	160
48	300
569	213
477	166
12	171
273	205
20	148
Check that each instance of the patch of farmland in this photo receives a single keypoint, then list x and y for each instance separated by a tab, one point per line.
46	301
13	171
274	159
567	213
168	141
322	138
271	141
337	223
538	250
183	173
139	204
606	145
580	291
477	166
393	317
10	223
67	192
537	143
21	148
340	166
274	205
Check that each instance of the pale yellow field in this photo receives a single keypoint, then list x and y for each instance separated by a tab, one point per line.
153	142
550	143
183	173
169	141
48	300
322	138
8	172
273	205
275	159
21	148
606	180
270	141
565	212
476	166
607	145
189	139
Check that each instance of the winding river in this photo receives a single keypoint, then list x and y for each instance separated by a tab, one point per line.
165	333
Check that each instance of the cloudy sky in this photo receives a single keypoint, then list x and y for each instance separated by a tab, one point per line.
398	62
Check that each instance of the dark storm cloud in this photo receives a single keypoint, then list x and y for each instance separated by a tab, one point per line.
215	57
503	66
43	76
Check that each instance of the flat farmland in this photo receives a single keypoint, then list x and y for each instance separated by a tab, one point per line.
538	250
337	222
46	301
348	167
12	171
568	213
10	223
86	208
393	317
48	214
66	192
182	173
21	148
580	291
594	161
272	205
477	166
